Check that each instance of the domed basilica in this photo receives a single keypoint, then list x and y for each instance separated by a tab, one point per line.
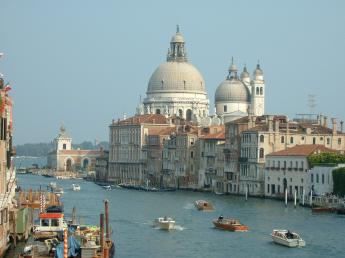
177	88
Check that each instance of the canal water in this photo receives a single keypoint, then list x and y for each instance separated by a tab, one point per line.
132	212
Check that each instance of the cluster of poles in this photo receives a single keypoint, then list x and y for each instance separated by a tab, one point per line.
295	197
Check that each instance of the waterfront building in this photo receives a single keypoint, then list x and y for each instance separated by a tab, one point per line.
101	167
180	166
320	178
127	146
7	171
250	139
290	169
64	158
211	158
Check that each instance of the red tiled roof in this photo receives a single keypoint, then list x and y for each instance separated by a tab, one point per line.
215	136
144	119
302	150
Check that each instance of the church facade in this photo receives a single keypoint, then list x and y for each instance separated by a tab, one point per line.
64	158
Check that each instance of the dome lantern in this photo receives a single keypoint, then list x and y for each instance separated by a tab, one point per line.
177	52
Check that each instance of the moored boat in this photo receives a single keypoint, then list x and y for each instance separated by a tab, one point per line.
230	224
287	238
50	225
203	205
164	223
323	209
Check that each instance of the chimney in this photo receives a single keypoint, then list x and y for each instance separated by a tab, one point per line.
325	122
320	119
287	127
334	127
341	126
270	123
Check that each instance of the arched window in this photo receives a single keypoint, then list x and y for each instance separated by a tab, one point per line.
261	91
262	138
261	154
257	90
180	113
317	178
225	108
189	115
158	111
282	139
64	146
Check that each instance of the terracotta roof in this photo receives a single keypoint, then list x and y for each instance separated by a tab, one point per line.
143	119
302	150
80	152
215	136
162	131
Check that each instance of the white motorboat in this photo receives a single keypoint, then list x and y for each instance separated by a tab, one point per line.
107	187
164	223
58	191
287	238
76	187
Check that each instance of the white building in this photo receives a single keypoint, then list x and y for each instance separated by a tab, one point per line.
320	179
289	169
176	87
239	96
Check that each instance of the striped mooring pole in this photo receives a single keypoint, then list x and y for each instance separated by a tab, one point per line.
65	244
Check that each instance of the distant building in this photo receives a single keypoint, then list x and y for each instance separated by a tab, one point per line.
101	167
64	158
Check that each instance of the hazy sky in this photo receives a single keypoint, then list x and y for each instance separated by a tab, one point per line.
85	63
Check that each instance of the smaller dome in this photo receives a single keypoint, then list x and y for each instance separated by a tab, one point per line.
177	38
232	90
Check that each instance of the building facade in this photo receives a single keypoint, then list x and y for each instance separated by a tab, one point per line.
7	171
64	158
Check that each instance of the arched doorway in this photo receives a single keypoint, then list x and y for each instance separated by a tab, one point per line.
69	165
189	115
158	111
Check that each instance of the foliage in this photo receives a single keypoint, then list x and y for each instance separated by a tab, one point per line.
326	158
339	181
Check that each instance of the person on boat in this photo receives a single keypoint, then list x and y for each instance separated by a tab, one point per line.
289	234
220	218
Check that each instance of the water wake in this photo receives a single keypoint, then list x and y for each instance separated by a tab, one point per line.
189	206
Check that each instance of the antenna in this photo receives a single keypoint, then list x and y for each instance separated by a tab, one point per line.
311	103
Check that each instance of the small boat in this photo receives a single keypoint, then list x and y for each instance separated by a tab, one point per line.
76	187
164	223
287	238
52	185
107	187
229	224
50	225
202	205
323	209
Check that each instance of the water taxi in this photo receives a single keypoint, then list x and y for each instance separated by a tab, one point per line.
203	205
164	223
76	187
287	238
230	224
50	225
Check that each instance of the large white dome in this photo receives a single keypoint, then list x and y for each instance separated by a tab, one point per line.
176	77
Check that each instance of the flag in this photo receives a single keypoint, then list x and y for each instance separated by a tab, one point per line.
7	87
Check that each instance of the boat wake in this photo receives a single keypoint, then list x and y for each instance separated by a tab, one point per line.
179	228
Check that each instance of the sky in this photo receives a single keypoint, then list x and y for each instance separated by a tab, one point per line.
83	63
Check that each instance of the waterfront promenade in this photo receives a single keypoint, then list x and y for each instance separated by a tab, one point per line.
132	213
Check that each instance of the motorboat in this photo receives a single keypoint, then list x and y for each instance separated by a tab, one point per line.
50	225
164	223
203	205
107	187
287	238
58	190
52	185
76	187
229	224
323	209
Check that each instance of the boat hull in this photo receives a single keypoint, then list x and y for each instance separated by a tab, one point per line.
230	227
204	205
164	224
288	243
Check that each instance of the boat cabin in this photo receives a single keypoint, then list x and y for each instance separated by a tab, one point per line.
51	222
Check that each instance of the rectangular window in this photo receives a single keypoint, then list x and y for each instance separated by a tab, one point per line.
339	141
278	188
268	188
273	188
290	190
328	141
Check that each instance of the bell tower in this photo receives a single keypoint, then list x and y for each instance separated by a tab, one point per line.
258	92
63	141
